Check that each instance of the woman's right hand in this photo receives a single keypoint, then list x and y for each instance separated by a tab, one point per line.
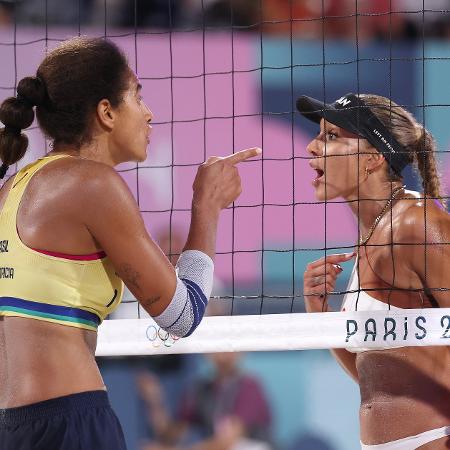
218	183
320	278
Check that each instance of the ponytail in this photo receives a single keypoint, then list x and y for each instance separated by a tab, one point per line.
16	114
414	138
424	156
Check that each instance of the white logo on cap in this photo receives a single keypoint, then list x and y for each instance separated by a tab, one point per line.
343	101
383	140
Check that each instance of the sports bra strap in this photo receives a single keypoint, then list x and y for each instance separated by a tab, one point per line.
427	292
22	178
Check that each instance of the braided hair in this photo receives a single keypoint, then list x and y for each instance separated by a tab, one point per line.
415	139
17	113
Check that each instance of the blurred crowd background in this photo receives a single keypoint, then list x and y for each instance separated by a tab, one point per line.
259	401
269	16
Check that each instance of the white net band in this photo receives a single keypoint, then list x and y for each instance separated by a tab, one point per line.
355	330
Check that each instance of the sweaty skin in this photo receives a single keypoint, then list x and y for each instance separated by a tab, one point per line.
80	205
41	360
404	391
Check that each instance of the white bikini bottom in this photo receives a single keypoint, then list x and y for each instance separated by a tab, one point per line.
411	442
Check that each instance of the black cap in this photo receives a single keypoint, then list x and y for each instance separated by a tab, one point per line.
352	114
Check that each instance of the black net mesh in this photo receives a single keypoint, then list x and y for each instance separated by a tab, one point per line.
220	76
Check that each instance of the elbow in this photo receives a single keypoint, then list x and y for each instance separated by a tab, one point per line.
185	312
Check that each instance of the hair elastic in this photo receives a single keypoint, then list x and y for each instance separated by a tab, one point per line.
13	130
3	169
25	101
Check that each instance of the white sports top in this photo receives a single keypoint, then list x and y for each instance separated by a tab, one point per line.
361	301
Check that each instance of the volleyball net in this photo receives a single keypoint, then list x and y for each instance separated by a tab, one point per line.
269	332
220	79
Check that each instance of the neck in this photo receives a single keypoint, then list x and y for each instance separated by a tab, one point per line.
371	201
94	151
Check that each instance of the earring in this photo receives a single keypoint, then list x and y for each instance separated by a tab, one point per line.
367	172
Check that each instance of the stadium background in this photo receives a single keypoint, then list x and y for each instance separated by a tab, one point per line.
206	89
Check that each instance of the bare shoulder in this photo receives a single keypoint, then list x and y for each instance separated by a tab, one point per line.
80	179
75	170
420	218
79	190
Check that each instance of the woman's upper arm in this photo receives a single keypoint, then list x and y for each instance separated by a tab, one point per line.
112	216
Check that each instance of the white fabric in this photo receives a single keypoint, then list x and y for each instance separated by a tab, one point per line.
358	300
292	331
179	316
197	267
411	442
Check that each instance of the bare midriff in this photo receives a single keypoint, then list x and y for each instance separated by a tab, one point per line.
41	360
404	392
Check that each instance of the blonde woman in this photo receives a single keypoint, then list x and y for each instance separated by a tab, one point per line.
363	145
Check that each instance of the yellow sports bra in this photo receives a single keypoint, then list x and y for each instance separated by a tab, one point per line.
77	291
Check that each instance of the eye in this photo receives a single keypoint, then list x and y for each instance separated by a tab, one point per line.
331	136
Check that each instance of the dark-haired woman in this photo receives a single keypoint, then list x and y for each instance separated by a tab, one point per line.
364	144
70	232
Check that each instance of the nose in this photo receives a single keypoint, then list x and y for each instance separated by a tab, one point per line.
313	148
148	114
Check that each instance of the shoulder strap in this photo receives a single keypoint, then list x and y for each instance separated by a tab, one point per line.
21	180
427	291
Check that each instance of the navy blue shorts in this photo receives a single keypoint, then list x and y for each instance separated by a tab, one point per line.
83	421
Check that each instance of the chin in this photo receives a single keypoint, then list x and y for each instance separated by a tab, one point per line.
140	156
144	153
321	196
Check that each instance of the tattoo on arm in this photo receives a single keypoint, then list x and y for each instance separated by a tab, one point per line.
130	276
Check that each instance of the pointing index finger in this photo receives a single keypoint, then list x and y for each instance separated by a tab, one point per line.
243	155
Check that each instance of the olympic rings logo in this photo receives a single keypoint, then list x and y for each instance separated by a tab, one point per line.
157	336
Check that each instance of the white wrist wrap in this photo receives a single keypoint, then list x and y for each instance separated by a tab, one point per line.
195	272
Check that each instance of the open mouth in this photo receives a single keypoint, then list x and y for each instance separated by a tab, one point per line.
320	173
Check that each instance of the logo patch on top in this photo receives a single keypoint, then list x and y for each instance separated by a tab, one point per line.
4	246
6	272
343	101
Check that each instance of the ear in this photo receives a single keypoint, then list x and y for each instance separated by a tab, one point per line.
106	115
374	161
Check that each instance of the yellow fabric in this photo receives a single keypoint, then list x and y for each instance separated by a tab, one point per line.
43	287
